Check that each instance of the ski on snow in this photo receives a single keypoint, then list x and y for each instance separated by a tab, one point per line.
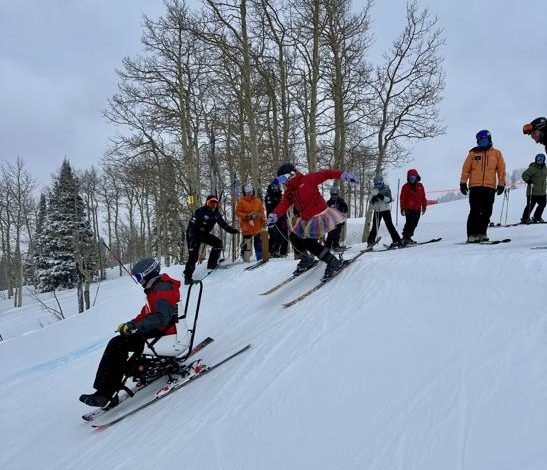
433	240
324	281
92	415
289	279
489	242
262	262
167	389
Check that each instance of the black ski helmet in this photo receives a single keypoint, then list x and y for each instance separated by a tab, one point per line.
538	123
145	269
285	169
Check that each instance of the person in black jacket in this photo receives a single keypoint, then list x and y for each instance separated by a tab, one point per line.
537	130
278	232
198	232
337	202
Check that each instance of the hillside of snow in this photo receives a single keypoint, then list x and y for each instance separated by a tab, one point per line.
428	358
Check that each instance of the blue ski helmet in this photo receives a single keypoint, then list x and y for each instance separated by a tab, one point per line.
540	159
378	181
484	138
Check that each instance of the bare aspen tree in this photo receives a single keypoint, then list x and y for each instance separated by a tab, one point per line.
18	185
407	89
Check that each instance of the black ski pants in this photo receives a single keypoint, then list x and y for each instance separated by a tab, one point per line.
301	245
279	236
114	362
412	219
193	252
377	218
531	201
333	238
481	203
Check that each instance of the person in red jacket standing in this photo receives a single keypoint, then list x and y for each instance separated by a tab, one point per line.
413	204
156	319
315	217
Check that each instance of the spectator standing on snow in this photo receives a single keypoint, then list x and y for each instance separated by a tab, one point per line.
337	202
278	232
483	176
199	231
535	177
381	205
413	204
250	211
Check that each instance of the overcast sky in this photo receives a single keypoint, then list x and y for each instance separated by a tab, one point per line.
57	61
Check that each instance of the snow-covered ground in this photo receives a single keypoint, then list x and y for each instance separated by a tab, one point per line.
433	357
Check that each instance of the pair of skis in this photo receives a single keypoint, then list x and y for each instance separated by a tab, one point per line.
164	390
486	242
389	247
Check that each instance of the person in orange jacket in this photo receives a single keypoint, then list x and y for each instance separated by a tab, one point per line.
252	219
413	204
483	175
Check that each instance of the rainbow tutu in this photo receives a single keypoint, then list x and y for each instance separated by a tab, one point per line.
319	224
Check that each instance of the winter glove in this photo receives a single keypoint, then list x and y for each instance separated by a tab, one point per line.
374	200
403	213
234	231
349	176
272	218
380	196
127	328
463	188
500	189
423	210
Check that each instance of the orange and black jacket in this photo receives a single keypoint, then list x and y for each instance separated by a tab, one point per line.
482	166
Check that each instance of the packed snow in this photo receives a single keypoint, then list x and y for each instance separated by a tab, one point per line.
433	357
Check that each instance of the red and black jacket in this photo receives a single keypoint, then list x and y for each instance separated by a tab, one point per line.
302	192
161	311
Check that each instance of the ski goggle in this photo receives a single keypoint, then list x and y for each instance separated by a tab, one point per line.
140	277
335	193
282	179
413	178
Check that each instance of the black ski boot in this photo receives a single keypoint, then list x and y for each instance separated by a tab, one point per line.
306	262
333	264
94	399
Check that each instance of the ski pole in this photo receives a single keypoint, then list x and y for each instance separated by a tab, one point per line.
118	260
507	205
502	205
529	203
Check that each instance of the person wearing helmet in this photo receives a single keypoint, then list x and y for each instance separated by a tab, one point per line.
199	231
337	202
250	211
535	176
413	204
380	201
315	217
157	318
537	130
483	176
278	232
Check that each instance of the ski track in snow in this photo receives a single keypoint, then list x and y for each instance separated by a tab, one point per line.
427	358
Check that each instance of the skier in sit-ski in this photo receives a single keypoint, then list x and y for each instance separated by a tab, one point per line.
156	320
315	217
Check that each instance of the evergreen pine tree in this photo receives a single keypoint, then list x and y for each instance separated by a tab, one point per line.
67	238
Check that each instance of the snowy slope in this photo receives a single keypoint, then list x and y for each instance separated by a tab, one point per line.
433	357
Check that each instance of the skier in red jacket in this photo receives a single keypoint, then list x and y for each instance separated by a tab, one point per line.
156	319
413	204
315	217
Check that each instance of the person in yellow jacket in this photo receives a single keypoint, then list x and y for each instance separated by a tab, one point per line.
252	219
483	175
